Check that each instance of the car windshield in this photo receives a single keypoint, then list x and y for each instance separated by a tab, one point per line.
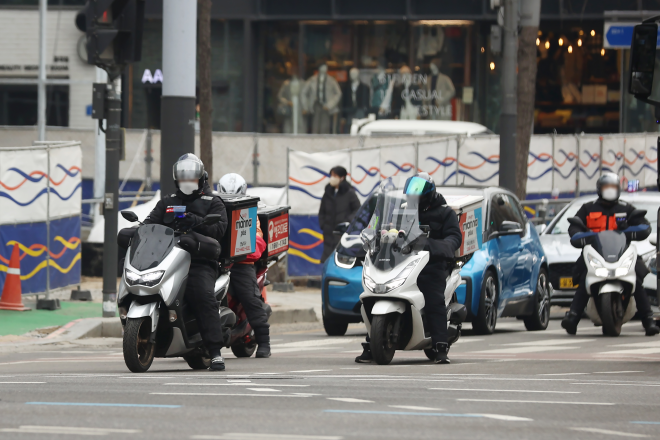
350	243
393	233
561	225
151	244
610	245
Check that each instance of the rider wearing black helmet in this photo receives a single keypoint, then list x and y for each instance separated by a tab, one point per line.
444	239
194	193
607	213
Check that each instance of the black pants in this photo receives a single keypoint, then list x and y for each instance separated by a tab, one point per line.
432	282
202	302
244	287
581	298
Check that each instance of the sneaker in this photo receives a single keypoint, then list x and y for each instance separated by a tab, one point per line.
263	350
217	362
570	322
441	349
365	357
650	326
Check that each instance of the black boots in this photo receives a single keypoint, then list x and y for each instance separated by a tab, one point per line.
441	350
262	336
217	362
365	357
650	326
570	322
263	350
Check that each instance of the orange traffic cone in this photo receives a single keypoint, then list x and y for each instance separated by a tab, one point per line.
11	294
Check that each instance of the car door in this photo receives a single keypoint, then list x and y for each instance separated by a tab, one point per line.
525	260
508	246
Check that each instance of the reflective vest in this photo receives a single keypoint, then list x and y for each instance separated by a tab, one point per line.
597	222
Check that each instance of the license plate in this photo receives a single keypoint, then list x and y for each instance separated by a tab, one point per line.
566	283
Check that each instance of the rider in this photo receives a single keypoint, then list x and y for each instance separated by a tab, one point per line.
607	213
194	193
444	239
243	280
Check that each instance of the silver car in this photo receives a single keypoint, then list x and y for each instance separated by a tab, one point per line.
562	256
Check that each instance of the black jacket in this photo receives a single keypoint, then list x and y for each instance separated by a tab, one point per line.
337	207
198	203
445	236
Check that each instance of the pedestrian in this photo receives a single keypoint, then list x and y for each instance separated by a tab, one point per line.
338	205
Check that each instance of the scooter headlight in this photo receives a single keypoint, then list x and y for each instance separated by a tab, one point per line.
398	281
149	280
131	277
594	262
625	267
369	283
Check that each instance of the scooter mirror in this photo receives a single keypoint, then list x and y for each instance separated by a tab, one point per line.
576	221
211	219
130	216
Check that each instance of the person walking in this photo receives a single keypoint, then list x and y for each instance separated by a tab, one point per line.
338	205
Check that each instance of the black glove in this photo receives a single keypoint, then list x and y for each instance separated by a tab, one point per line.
188	222
622	225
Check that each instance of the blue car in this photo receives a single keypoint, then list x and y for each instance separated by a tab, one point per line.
507	276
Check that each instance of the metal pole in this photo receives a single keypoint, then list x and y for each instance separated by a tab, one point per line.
99	155
148	160
178	101
48	225
509	115
41	84
111	199
255	161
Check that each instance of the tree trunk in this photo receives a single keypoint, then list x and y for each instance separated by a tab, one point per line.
205	91
526	96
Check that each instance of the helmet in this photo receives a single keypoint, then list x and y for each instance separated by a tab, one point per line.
189	167
232	183
608	179
421	185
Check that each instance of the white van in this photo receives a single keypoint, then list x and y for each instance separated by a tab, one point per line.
400	127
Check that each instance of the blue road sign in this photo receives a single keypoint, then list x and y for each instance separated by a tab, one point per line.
619	35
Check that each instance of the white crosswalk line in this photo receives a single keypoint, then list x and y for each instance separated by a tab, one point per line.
350	400
522	350
609	432
253	436
415	408
536	401
550	342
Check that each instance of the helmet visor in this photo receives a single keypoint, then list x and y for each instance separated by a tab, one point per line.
188	169
417	186
608	179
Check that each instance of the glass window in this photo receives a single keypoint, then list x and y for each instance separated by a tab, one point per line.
502	208
18	105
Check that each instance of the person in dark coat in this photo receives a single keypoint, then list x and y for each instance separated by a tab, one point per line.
339	204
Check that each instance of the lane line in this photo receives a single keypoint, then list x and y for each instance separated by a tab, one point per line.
128	405
563	374
409	380
272	390
549	342
506	391
415	408
430	414
239	384
230	394
19	382
646	423
617	372
525	349
608	432
536	401
252	436
350	400
308	371
617	384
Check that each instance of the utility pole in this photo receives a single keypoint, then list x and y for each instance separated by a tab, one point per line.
509	115
41	82
177	117
99	152
205	88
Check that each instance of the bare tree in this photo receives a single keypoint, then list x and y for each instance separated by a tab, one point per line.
205	91
531	10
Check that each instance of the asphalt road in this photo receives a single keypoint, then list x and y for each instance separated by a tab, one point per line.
514	385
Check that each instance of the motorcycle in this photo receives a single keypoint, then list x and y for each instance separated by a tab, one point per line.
392	304
611	277
156	319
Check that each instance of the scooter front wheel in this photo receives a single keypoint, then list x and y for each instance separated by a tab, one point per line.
138	351
382	338
611	313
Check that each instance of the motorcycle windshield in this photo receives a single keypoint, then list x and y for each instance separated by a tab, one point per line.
393	233
150	245
610	245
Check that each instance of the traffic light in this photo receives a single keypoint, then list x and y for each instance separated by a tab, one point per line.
114	31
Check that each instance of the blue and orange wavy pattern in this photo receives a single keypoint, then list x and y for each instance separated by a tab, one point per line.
37	176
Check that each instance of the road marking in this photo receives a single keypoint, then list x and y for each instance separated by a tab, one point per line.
633	351
239	380
19	382
130	405
617	372
68	430
230	394
147	377
646	423
237	384
430	414
617	384
308	371
549	342
649	344
506	418
506	391
252	436
563	374
410	380
608	432
536	401
415	408
461	374
349	400
345	368
312	343
524	349
272	390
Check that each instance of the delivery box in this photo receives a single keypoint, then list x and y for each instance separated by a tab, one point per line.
468	208
275	226
240	239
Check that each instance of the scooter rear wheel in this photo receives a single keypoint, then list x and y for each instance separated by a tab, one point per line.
611	313
382	338
198	362
241	349
138	351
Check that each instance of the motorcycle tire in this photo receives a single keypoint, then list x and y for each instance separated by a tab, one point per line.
382	344
486	320
611	313
243	350
540	317
138	351
198	362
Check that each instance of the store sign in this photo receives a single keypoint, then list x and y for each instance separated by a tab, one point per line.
278	234
618	35
156	78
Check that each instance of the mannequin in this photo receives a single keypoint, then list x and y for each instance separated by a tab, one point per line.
380	86
321	96
356	99
290	107
439	92
405	102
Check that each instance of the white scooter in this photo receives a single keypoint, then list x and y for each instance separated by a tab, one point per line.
611	276
392	304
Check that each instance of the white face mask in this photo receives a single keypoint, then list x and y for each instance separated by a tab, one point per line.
610	194
188	187
334	181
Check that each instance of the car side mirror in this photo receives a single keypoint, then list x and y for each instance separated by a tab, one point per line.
341	228
509	227
211	219
637	213
130	216
541	228
642	59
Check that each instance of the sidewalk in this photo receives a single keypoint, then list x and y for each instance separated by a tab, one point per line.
18	323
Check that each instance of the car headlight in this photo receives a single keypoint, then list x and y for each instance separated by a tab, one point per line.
344	261
149	280
594	262
369	283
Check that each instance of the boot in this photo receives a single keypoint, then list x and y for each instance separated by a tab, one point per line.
570	322
650	326
263	350
262	336
217	362
365	357
441	350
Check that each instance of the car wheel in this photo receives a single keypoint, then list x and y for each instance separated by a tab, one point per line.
334	327
486	319
540	317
